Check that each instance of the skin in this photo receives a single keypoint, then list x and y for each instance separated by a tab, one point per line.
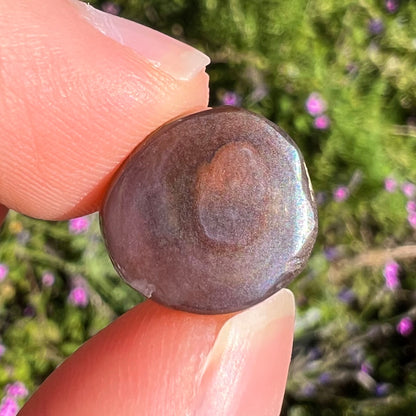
75	102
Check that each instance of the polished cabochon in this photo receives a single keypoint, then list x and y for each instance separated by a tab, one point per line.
211	213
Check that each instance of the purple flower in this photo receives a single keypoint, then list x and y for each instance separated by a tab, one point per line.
79	225
381	389
325	378
231	98
331	253
391	267
366	368
309	390
315	353
341	193
390	185
4	271
412	219
346	296
30	311
8	407
48	279
110	7
322	122
409	189
391	275
405	326
392	5
411	206
78	296
17	390
315	104
376	26
2	350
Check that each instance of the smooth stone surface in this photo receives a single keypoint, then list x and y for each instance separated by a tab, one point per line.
212	213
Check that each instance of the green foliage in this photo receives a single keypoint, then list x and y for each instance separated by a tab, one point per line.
39	326
349	358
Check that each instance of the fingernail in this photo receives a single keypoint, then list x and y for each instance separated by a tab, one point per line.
246	370
176	58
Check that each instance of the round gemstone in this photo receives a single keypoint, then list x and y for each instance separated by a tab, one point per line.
212	213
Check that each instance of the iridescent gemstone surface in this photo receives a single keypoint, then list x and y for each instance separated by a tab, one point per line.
212	213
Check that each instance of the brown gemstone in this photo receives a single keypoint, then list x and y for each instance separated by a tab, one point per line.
212	213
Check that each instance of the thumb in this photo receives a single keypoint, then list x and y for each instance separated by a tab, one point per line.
79	90
157	361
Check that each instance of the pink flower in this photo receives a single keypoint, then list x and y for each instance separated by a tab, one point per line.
231	98
411	206
110	7
366	368
48	279
391	275
315	104
341	193
409	189
79	225
405	326
412	219
390	184
79	296
17	390
392	5
8	407
4	271
321	122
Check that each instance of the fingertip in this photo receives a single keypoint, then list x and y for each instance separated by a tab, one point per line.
246	370
176	58
158	361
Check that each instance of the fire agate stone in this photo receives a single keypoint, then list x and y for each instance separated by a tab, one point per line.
212	213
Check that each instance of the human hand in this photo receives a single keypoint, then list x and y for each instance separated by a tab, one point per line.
74	104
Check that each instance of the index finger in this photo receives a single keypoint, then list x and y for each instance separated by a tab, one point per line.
79	91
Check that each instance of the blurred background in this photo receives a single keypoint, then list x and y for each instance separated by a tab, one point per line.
340	78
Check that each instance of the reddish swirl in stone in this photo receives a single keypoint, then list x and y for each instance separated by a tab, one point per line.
212	213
